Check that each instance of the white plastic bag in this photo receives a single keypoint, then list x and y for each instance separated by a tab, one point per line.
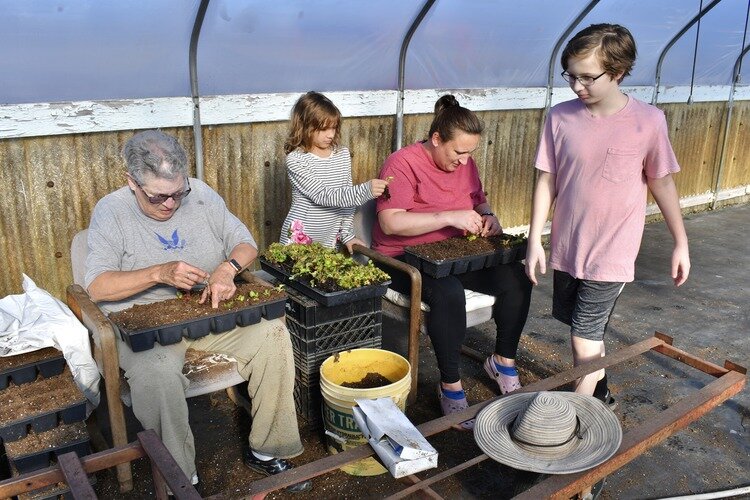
35	320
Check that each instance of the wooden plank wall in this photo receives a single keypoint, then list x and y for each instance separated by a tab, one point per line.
49	185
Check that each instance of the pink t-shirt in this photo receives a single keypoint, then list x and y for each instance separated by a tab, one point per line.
601	165
418	185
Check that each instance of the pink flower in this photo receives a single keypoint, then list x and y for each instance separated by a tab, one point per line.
300	238
297	233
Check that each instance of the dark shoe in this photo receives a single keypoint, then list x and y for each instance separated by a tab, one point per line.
273	466
608	400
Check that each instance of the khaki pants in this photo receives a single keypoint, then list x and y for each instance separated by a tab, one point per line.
264	358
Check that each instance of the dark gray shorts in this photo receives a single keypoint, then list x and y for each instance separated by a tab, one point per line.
585	305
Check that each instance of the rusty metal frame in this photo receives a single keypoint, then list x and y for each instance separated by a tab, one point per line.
730	379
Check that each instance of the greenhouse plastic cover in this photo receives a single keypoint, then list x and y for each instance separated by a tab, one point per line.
71	50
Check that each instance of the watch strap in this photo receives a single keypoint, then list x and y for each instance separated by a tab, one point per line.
236	265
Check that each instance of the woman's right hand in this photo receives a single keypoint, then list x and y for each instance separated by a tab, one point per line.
377	187
181	275
466	220
535	256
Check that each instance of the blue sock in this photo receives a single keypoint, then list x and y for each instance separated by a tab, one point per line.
453	394
505	370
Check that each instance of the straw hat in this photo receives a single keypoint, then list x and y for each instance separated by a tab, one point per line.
548	432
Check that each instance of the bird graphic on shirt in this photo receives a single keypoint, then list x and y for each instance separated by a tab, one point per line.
174	244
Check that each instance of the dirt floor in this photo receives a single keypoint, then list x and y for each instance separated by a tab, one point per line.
707	317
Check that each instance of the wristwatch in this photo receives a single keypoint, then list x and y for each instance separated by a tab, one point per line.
236	265
488	213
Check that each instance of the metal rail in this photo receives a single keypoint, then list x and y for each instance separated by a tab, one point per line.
398	139
725	140
674	39
730	380
553	56
193	67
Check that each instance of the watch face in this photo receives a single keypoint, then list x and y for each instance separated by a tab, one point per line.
237	267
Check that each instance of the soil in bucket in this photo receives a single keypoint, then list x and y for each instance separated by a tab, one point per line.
366	370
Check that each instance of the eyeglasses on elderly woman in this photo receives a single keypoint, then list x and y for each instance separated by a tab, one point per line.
158	199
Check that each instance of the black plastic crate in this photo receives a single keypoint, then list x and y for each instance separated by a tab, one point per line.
142	340
336	342
308	400
309	312
46	362
339	327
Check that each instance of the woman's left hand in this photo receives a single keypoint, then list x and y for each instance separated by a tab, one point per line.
220	285
490	226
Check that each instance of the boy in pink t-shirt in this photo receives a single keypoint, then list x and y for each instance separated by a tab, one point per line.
597	157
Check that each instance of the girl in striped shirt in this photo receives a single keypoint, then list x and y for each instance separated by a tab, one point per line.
320	171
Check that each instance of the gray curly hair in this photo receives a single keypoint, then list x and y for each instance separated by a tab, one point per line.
156	153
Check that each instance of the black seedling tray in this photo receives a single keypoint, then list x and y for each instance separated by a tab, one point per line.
328	299
18	429
42	459
142	340
461	265
27	372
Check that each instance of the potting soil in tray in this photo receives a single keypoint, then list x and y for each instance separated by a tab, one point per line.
40	405
24	368
37	450
166	322
461	255
328	299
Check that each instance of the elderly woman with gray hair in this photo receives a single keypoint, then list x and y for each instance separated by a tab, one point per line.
162	232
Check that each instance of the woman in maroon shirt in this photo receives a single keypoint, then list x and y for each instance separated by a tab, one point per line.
435	193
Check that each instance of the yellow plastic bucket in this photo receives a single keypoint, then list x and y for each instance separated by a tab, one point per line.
353	366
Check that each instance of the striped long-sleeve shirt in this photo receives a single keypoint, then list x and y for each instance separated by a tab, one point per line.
323	196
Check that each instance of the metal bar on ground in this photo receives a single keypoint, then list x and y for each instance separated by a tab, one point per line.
424	483
164	466
645	436
690	360
77	480
426	491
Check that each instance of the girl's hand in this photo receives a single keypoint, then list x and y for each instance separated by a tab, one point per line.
466	220
377	187
350	245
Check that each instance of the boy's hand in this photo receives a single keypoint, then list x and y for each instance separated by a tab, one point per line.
377	187
680	265
535	255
